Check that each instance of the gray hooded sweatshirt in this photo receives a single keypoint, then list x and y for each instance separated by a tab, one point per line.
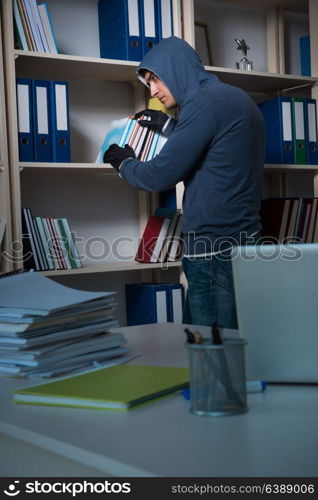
216	148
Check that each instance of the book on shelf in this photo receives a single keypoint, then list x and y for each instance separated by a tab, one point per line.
47	328
291	130
160	241
145	142
33	26
48	243
3	225
116	388
290	219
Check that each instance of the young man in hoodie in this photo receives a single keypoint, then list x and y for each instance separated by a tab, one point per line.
216	148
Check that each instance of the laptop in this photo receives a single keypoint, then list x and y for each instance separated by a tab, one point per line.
276	290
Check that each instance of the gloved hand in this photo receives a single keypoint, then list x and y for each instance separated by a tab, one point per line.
156	119
116	155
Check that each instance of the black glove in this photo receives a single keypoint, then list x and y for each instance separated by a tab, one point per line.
156	121
116	155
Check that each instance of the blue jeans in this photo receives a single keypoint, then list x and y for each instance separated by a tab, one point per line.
210	296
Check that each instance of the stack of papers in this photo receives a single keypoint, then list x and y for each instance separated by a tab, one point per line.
48	329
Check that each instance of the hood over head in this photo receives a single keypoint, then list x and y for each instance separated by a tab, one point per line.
177	65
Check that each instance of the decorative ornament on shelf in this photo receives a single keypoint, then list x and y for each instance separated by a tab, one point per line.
244	63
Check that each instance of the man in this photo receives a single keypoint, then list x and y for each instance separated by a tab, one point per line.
217	149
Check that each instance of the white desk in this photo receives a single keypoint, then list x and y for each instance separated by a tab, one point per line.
277	437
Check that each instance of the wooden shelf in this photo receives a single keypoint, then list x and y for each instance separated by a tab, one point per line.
257	81
65	67
292	168
68	167
110	267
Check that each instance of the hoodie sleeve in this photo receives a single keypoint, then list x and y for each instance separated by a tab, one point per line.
183	151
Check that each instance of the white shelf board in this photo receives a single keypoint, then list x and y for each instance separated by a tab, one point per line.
68	67
109	267
292	168
292	5
259	81
68	167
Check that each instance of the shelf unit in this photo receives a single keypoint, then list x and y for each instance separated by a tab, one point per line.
5	209
75	69
102	73
274	82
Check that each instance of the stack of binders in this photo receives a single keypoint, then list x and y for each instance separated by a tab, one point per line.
33	26
43	121
291	130
128	29
48	243
154	303
47	329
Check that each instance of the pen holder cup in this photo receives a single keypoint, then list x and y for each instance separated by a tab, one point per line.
217	378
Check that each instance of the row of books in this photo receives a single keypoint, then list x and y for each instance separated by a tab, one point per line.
138	26
48	243
154	303
43	121
48	329
161	240
291	130
145	142
290	219
33	26
3	225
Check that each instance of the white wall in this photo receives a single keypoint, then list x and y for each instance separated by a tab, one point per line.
226	22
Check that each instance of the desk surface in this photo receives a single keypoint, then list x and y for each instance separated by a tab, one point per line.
278	436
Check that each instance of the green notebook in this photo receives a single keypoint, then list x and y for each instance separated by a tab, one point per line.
116	388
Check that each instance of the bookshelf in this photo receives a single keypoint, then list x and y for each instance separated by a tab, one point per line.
93	77
5	211
265	26
91	196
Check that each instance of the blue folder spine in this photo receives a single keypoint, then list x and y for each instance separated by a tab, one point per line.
41	113
149	24
165	26
60	122
119	30
311	131
277	114
305	63
25	119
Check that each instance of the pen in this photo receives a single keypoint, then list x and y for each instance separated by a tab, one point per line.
251	386
193	337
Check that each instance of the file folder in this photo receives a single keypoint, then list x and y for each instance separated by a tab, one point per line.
298	113
119	29
59	114
149	24
277	114
311	131
305	63
164	18
25	119
146	303
42	136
